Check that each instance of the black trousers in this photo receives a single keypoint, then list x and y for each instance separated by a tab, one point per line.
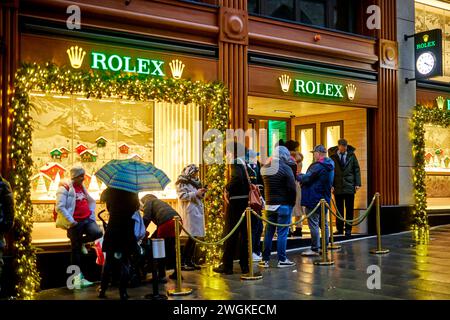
347	200
188	253
85	231
235	210
111	264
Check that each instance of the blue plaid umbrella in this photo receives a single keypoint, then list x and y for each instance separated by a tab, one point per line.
133	176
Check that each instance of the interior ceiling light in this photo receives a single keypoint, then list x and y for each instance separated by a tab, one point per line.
282	111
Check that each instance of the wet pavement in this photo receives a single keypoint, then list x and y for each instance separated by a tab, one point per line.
410	271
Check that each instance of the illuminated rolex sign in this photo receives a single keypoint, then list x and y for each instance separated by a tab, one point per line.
115	62
316	88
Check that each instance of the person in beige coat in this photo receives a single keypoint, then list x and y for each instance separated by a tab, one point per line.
190	196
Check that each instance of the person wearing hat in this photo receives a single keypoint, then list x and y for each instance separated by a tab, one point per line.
316	185
76	213
347	181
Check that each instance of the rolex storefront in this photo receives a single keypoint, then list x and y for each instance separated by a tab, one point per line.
71	128
313	108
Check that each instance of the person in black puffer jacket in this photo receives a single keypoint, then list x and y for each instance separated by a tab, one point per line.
280	193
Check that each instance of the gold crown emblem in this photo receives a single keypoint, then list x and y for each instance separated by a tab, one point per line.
76	55
177	67
285	82
351	91
426	37
440	102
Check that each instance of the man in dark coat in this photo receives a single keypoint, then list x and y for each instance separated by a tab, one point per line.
6	217
162	214
236	191
347	181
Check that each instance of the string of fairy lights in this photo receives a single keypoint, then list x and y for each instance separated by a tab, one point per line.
50	78
423	115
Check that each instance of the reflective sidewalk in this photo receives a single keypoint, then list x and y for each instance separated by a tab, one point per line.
409	271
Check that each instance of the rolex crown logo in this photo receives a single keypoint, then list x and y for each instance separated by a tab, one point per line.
76	55
177	67
426	37
285	82
351	91
440	102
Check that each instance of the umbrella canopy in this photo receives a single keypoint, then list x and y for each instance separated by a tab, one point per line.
132	175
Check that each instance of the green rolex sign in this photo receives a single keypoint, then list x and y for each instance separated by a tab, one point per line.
317	88
116	62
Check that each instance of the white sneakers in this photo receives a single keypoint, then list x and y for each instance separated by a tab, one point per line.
256	258
310	253
281	264
80	282
84	250
286	263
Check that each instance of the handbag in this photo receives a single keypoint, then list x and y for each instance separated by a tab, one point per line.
254	196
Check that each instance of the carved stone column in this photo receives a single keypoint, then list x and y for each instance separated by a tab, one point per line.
383	122
233	62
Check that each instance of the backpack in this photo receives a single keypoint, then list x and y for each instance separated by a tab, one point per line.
55	213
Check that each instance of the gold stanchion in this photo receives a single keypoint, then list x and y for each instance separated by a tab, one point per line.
251	275
178	291
378	250
332	246
324	261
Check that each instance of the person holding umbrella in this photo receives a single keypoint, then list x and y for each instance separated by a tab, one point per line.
125	179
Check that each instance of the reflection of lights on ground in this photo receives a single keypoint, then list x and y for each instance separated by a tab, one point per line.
213	285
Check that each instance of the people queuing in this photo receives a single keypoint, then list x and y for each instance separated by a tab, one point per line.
287	194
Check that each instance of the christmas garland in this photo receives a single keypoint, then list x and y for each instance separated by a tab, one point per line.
212	97
423	115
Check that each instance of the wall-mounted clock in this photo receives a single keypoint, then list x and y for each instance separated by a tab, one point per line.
426	63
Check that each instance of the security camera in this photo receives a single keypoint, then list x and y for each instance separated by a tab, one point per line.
127	2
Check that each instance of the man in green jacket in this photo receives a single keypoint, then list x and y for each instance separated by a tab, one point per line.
347	181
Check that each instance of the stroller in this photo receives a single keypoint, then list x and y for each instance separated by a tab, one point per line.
140	260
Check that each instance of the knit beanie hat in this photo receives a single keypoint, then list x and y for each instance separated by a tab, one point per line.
76	172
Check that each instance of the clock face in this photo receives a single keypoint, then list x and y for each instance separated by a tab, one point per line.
426	62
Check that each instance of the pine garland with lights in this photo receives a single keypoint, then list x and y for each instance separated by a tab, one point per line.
212	97
423	115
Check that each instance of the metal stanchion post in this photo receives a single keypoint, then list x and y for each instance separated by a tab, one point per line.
159	253
332	246
178	291
378	250
325	261
251	275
